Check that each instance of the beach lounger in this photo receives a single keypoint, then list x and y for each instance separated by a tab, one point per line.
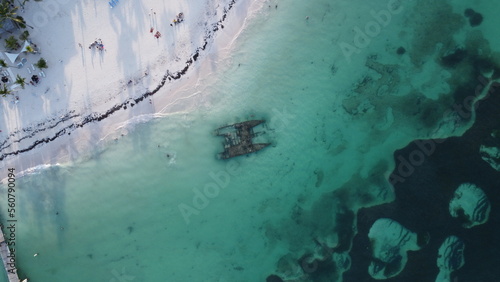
29	71
14	86
9	73
33	67
42	74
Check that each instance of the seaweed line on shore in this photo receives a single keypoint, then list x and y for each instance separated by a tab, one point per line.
101	116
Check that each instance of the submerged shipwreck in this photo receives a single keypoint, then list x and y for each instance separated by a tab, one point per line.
238	139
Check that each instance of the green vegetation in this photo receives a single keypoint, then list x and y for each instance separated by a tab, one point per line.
24	36
8	11
41	64
21	81
4	91
11	43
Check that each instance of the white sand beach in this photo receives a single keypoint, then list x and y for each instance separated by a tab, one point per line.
82	83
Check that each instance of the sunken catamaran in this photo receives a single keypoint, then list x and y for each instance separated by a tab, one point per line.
238	139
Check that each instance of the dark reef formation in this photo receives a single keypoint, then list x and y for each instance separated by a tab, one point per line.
401	51
427	172
475	18
422	203
32	131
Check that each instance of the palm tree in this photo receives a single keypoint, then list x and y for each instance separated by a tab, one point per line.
11	43
4	91
30	49
7	12
21	22
3	64
20	80
24	2
24	36
41	64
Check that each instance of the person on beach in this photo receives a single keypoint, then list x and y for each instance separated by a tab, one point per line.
178	19
97	44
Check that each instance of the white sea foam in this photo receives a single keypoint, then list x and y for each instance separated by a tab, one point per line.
34	170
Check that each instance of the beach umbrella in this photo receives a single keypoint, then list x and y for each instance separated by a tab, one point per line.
25	46
12	56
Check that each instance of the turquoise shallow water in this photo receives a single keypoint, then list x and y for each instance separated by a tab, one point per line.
116	216
156	205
